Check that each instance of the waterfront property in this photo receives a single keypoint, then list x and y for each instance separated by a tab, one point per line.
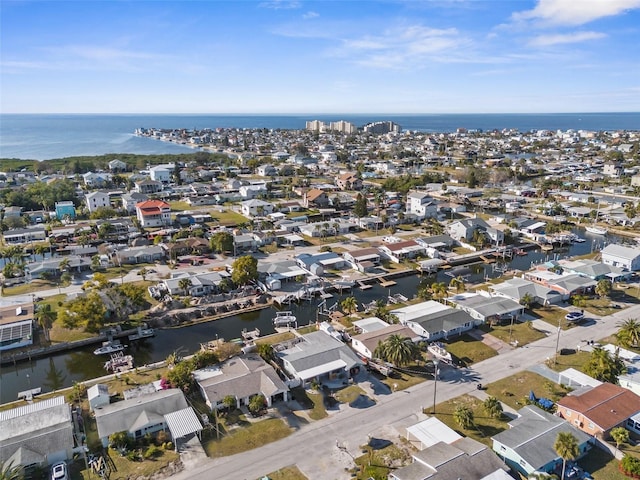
600	409
37	435
138	416
527	446
518	288
98	396
16	326
319	357
433	320
621	256
365	344
484	307
241	377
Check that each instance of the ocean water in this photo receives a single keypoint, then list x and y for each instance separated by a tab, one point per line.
42	137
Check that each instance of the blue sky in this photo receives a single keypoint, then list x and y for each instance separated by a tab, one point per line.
396	56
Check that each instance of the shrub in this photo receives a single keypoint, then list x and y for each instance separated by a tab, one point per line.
161	437
630	466
168	446
132	456
153	451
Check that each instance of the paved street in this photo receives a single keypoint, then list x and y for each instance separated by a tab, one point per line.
313	447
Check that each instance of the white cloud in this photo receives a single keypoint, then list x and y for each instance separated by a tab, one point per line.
575	12
310	15
559	39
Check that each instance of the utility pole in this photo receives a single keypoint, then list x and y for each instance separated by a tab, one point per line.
435	382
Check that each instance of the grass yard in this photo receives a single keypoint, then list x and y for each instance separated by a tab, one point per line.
604	306
228	217
349	394
551	315
126	469
574	360
179	206
32	287
246	438
523	332
514	390
287	473
467	350
601	465
486	426
275	338
401	380
312	402
377	464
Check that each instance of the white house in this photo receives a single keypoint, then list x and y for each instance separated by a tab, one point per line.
421	205
256	207
153	213
621	256
483	307
162	173
433	320
365	344
96	179
117	165
252	191
96	200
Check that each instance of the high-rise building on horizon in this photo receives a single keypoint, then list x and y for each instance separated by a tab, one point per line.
382	127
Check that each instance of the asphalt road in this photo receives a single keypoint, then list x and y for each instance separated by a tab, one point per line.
313	446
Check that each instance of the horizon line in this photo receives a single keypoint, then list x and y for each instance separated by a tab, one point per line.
254	114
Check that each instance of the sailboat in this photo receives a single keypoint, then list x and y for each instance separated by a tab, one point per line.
595	229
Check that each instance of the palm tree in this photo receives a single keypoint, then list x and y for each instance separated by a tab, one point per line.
457	284
566	446
604	367
629	332
493	407
527	300
63	266
603	288
620	435
398	350
45	316
143	272
439	290
41	249
349	305
463	415
9	471
184	284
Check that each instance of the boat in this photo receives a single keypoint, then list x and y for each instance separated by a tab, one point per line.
596	230
439	351
142	333
519	251
119	362
284	319
107	348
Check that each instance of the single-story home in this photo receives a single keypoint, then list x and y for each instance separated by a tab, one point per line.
484	307
621	256
433	320
365	344
16	326
517	288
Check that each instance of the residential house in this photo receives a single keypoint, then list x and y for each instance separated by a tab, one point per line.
97	200
365	344
399	251
567	285
463	230
267	170
363	259
98	396
130	200
317	263
12	212
162	173
117	166
201	284
144	254
96	180
486	308
318	356
349	181
315	198
464	458
153	213
527	447
37	435
256	208
65	210
627	258
598	410
148	186
16	326
138	416
422	205
17	236
245	242
252	191
52	266
433	320
241	377
593	269
518	288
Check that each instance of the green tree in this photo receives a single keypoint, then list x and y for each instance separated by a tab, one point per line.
457	284
603	366
439	290
135	294
245	270
349	305
185	284
181	376
10	471
221	242
266	351
143	272
603	288
398	350
256	404
628	334
45	316
527	300
120	440
463	416
566	446
620	435
424	290
360	207
87	311
229	402
493	407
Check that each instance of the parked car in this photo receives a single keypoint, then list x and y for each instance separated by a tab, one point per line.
574	316
59	471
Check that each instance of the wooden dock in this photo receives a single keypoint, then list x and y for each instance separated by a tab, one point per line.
487	259
386	283
363	286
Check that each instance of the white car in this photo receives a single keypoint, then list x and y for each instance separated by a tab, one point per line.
59	471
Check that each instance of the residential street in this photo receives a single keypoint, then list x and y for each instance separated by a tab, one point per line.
313	447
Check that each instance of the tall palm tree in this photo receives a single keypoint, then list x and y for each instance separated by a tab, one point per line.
566	446
45	316
9	471
398	350
463	415
457	284
40	249
184	284
439	290
349	305
493	407
629	332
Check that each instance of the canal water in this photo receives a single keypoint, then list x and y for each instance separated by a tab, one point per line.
62	370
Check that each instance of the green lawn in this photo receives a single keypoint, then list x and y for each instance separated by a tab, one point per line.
467	350
523	332
32	287
552	315
349	394
376	463
246	438
179	206
126	469
312	402
411	375
514	390
601	465
575	360
228	217
287	473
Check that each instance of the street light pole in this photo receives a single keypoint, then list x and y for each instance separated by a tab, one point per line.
435	382
555	361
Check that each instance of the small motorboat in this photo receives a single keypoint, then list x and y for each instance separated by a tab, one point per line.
107	348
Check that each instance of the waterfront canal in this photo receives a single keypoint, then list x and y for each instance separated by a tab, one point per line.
62	370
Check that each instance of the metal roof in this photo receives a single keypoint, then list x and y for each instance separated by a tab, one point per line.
183	422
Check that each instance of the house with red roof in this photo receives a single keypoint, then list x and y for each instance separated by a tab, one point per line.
598	410
153	213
